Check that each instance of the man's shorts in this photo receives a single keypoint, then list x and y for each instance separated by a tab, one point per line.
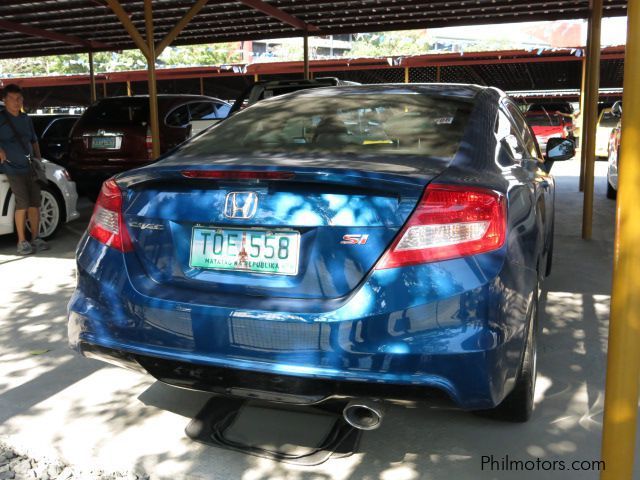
26	190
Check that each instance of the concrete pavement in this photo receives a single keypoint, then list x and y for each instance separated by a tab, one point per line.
55	404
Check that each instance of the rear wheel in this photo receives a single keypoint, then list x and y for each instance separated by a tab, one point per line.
611	192
51	213
518	405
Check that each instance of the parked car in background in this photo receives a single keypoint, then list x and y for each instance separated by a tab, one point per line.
114	135
58	204
362	241
551	120
53	132
606	123
614	152
272	88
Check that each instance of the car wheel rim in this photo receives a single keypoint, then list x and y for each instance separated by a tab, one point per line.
49	214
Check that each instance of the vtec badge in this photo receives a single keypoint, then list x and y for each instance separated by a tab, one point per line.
354	239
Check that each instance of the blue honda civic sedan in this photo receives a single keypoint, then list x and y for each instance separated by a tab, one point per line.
353	242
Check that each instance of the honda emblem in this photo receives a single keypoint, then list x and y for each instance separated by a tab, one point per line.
241	205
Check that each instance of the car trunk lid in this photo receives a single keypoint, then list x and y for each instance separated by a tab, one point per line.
297	232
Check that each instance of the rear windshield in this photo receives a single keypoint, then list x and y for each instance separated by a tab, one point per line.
125	111
39	124
563	107
390	124
281	90
542	120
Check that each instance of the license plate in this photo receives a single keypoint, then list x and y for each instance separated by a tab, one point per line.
103	142
258	251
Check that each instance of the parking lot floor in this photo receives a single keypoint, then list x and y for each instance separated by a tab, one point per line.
55	404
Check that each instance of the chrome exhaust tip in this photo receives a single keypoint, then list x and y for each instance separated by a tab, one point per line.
363	414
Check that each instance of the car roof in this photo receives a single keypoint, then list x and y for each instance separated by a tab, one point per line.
165	96
293	82
54	115
462	91
164	100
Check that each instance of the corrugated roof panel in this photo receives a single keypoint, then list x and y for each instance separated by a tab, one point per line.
221	21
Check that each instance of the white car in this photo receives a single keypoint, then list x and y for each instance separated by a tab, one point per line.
606	123
58	204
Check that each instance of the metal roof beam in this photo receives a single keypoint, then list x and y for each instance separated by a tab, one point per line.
175	31
59	37
124	18
281	15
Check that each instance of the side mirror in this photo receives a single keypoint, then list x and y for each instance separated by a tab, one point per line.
616	109
559	149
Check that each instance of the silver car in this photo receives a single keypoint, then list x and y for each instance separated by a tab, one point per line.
58	204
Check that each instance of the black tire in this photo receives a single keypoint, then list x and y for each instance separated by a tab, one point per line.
611	192
52	212
518	405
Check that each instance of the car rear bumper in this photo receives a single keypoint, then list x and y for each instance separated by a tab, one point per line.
465	341
284	388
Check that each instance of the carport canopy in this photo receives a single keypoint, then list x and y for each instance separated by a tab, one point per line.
34	28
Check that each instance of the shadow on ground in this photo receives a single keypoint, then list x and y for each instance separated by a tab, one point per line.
107	417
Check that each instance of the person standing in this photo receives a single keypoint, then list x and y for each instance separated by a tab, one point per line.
18	144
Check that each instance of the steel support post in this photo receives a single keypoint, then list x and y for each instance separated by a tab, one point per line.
591	107
406	74
583	134
305	47
623	361
128	88
92	78
153	90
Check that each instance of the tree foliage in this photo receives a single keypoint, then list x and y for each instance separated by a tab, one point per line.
410	42
382	44
193	55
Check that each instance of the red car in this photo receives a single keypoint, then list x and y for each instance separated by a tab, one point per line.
114	135
549	121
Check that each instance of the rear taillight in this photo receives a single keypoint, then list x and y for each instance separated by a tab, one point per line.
450	221
148	141
107	222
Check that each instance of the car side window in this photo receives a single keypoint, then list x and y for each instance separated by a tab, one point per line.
178	117
506	130
222	110
202	111
60	128
51	130
530	143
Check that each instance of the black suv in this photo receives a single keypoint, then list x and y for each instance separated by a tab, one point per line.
53	135
271	88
